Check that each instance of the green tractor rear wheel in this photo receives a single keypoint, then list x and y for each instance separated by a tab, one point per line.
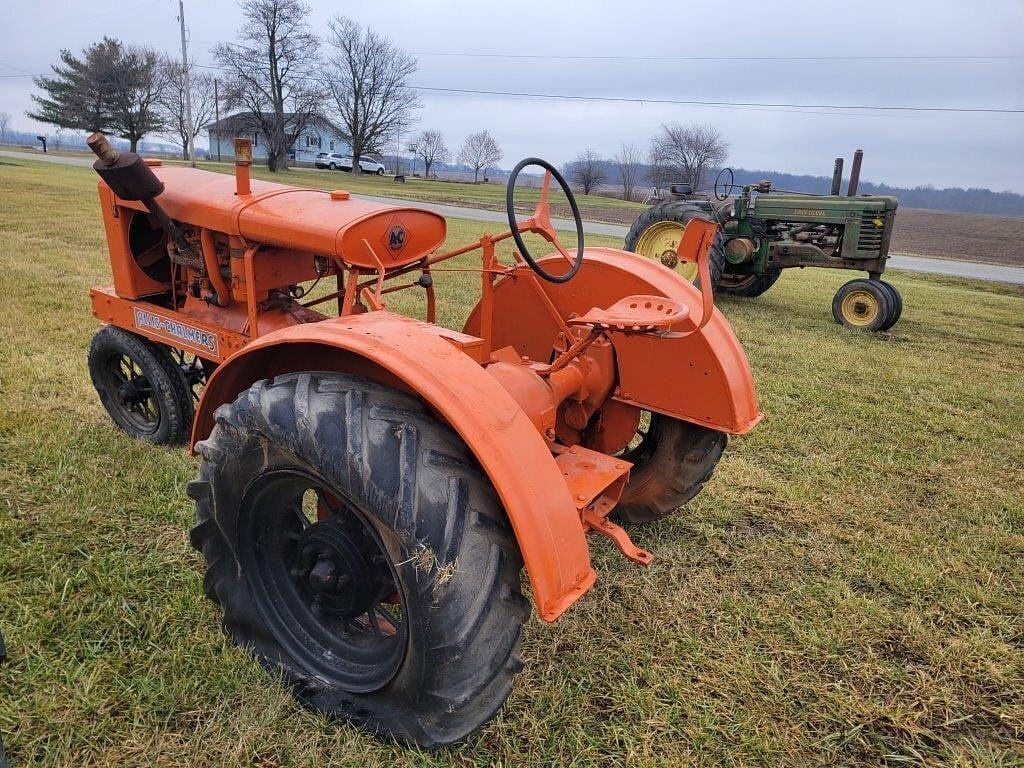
656	234
748	286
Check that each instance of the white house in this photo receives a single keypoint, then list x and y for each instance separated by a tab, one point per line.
319	135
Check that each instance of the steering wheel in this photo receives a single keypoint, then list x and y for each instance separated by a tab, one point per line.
540	222
722	190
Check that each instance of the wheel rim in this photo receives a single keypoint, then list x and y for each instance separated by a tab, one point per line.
323	580
860	307
660	242
193	371
131	393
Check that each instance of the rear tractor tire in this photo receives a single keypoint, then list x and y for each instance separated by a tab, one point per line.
141	386
656	234
866	305
672	460
359	551
748	286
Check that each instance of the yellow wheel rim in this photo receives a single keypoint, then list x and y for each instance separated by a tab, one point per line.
660	242
860	308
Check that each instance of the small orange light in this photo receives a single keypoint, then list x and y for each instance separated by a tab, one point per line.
339	194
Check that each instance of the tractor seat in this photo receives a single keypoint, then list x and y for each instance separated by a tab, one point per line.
636	314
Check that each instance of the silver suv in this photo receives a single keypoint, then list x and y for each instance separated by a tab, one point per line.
336	161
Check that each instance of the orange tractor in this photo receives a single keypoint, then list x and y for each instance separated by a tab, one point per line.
370	484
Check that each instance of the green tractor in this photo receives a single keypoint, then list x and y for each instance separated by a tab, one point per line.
765	230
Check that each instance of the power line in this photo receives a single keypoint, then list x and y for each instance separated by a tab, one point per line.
612	57
697	102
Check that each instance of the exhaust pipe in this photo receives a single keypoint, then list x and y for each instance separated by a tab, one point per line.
858	156
130	178
837	176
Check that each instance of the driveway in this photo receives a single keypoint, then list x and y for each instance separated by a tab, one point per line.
995	273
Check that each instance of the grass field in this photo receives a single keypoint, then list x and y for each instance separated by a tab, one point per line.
849	589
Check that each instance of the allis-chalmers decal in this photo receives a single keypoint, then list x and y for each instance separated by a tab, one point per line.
175	330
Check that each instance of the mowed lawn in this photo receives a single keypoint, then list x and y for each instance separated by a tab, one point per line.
849	589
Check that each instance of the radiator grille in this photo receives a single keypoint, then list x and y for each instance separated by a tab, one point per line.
871	236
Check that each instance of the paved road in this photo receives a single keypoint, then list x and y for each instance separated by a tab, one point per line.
992	272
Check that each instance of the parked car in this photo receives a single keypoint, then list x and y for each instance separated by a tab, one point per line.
335	161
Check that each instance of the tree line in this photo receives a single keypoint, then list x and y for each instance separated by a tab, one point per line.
677	153
277	72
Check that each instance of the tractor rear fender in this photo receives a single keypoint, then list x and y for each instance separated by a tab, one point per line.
703	377
418	358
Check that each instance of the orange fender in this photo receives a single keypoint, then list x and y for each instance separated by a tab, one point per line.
702	378
427	361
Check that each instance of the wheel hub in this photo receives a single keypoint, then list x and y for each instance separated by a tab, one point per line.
860	308
660	241
334	571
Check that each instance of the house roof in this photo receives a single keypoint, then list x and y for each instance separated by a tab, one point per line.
245	122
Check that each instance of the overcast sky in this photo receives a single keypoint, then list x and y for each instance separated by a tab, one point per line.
903	148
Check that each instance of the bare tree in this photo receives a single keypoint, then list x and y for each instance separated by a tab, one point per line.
368	80
430	147
273	68
5	123
686	153
479	151
172	101
587	172
629	161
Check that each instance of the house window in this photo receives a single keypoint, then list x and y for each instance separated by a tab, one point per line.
255	139
332	145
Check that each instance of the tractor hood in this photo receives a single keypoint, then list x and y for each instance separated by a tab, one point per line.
362	233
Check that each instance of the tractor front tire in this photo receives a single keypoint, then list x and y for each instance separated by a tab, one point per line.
672	460
748	286
866	305
657	231
896	310
396	605
141	386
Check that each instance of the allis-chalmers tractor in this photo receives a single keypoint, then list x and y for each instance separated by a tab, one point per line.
370	484
765	231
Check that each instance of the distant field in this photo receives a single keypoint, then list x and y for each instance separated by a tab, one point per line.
970	236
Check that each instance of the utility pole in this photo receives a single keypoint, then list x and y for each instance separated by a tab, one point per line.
188	92
216	112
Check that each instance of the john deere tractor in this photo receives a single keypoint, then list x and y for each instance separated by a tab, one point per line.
766	230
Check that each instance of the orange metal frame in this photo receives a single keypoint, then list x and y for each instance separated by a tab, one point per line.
520	386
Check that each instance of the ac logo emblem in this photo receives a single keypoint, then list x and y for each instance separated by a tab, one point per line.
396	237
